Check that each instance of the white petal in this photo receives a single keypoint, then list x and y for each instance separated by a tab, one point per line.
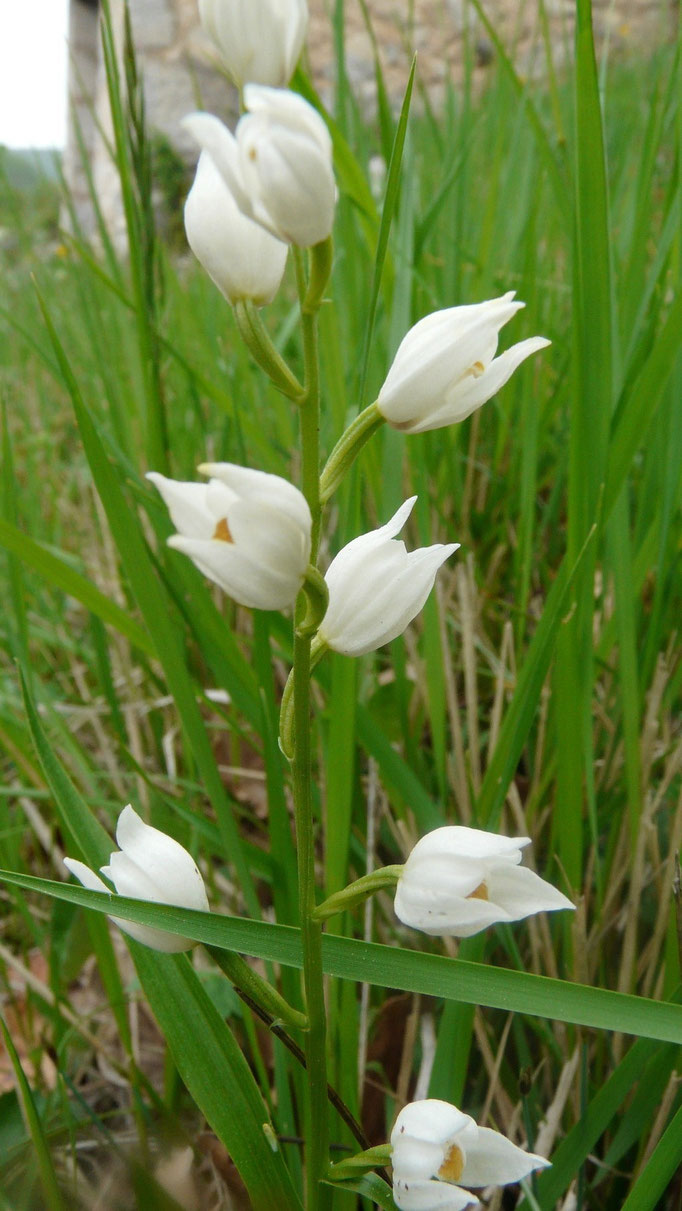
261	485
468	395
492	1160
521	892
156	938
257	39
187	505
289	110
86	876
462	842
168	865
248	582
430	1196
243	259
213	137
445	917
429	1119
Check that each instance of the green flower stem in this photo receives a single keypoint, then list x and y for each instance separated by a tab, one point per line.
257	339
316	1110
247	981
321	258
362	1162
286	712
293	1048
317	600
347	449
355	893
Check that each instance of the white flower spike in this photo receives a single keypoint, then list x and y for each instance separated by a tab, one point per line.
446	368
458	881
149	866
437	1150
277	165
246	530
258	40
244	260
376	587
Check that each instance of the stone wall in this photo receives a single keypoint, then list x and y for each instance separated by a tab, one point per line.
180	73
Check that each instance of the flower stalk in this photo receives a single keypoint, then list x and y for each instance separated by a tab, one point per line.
256	989
347	448
357	892
257	340
316	1116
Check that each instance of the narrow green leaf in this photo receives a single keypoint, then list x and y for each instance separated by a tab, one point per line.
55	569
390	203
203	1048
595	1118
48	1177
659	1170
161	624
217	1075
370	1186
392	966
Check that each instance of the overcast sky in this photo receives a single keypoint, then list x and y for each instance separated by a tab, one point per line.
33	58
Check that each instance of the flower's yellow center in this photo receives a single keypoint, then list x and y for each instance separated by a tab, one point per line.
477	370
479	893
451	1169
222	531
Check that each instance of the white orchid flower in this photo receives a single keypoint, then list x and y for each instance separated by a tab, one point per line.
445	368
246	530
258	40
437	1150
458	881
149	866
277	165
243	259
376	587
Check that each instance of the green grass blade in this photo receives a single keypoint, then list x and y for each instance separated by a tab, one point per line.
393	967
207	1056
659	1170
57	571
48	1177
133	551
390	203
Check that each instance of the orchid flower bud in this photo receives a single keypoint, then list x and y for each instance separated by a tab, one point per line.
458	881
277	165
149	866
243	259
258	40
446	368
246	530
436	1147
286	161
376	587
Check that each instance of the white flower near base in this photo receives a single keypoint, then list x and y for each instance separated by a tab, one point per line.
258	40
445	368
246	530
458	881
376	587
149	866
437	1150
244	260
277	165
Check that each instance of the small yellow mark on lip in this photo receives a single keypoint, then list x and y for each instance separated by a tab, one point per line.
222	531
479	893
451	1169
477	369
